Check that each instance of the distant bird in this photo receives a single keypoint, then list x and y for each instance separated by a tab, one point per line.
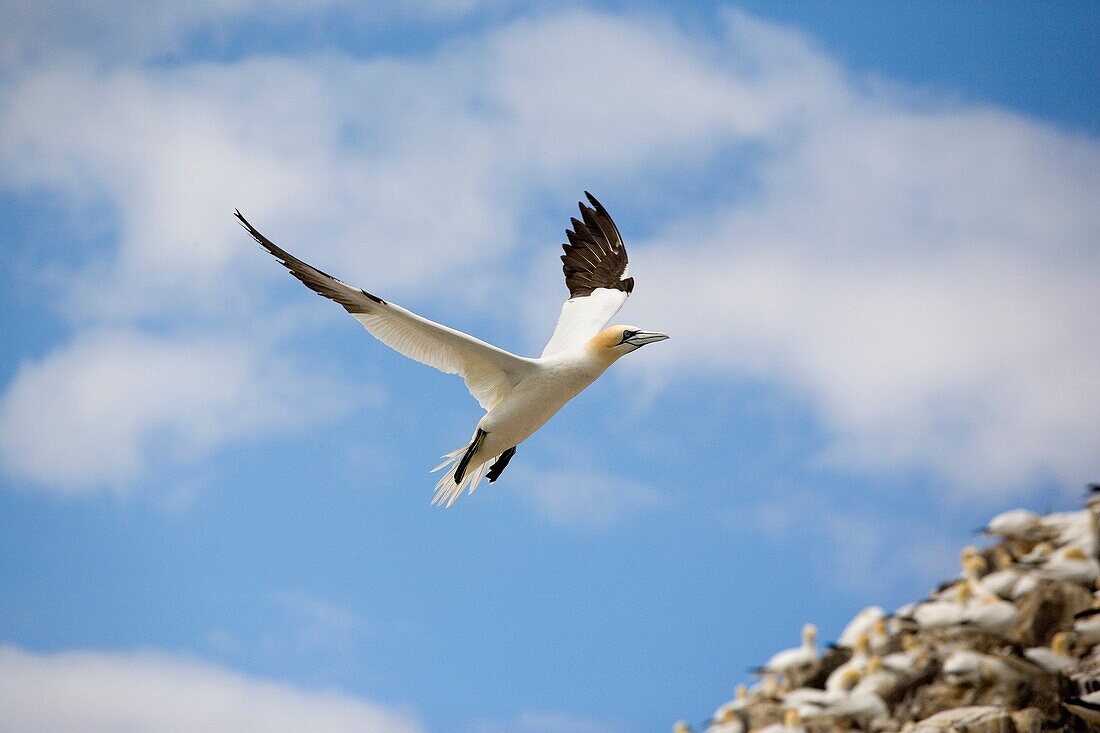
863	623
519	394
796	659
1056	658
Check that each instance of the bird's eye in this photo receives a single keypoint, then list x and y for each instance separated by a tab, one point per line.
629	334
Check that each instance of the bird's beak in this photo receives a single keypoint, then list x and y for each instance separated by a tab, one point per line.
646	337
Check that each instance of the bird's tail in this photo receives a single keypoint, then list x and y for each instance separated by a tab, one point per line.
460	473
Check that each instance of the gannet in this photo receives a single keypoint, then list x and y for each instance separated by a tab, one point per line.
839	677
1017	524
739	702
968	667
792	723
991	614
862	623
939	614
861	706
519	394
730	721
1086	626
1056	658
792	660
878	679
1070	565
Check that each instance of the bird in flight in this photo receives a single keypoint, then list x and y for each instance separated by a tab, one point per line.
519	394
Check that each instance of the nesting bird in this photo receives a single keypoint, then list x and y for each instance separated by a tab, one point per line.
796	659
972	654
519	394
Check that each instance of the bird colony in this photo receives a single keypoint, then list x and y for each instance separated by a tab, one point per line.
1010	645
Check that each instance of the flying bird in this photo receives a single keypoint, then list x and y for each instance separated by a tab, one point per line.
519	394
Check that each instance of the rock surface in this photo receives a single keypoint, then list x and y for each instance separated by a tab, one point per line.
996	650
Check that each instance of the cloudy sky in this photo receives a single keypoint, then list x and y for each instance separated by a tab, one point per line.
871	230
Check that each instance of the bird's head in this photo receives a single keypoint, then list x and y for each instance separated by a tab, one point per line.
618	341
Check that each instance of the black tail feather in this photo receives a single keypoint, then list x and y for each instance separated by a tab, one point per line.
463	464
500	464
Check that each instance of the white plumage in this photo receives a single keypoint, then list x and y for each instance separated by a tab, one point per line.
519	394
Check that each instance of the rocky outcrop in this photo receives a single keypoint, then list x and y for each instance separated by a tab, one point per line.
1011	645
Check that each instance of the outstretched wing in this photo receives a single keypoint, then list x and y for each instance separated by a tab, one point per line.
490	373
595	267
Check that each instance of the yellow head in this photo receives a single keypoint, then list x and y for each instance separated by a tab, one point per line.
1075	553
974	566
791	718
809	634
742	692
849	678
615	342
874	664
880	627
1059	643
863	643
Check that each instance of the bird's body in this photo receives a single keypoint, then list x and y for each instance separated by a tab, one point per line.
519	394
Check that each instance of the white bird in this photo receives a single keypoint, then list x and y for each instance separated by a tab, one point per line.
943	613
863	623
1070	565
1086	626
1017	524
792	660
878	679
730	721
861	706
792	723
968	667
839	678
1056	658
519	394
991	614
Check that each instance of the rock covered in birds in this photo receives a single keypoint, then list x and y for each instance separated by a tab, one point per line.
1011	644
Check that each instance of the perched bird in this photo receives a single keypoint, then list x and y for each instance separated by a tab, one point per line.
837	679
1086	626
861	706
939	614
1056	658
1071	565
879	679
730	721
796	659
991	614
519	394
1017	524
792	723
863	623
968	667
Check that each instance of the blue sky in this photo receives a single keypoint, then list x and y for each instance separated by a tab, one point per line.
870	230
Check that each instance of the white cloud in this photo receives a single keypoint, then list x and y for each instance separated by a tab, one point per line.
122	31
862	549
584	499
321	624
108	692
96	412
